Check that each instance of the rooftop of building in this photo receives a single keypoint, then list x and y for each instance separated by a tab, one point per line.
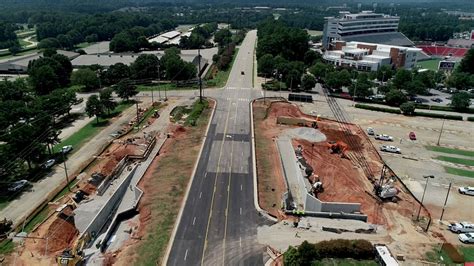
344	15
25	59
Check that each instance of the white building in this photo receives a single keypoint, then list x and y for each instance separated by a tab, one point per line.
365	27
371	56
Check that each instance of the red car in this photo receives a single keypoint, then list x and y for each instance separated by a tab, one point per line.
412	136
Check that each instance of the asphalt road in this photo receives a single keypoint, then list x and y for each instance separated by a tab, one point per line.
219	221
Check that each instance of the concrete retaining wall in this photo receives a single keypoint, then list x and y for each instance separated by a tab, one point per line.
101	218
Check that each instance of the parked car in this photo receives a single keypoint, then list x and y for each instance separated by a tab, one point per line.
391	149
48	164
462	227
384	137
466	238
370	131
438	100
466	191
18	185
66	149
412	135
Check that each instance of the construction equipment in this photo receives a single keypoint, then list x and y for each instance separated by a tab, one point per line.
5	227
338	147
384	189
74	256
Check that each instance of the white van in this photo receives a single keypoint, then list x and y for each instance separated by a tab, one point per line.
462	227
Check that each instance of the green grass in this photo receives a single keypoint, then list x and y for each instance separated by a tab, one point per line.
468	253
65	190
344	262
451	151
456	160
37	219
23	43
459	172
147	115
6	247
221	77
160	89
88	131
431	64
83	45
438	257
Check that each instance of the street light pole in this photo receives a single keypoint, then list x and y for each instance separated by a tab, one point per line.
199	75
355	90
441	131
423	197
265	82
445	201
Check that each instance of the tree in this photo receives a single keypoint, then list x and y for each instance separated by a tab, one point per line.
116	73
407	108
384	73
43	79
94	107
319	70
293	79
308	82
145	67
266	65
15	48
291	256
459	80
395	97
467	63
311	57
49	43
123	42
461	100
125	90
362	86
223	37
105	97
85	77
402	78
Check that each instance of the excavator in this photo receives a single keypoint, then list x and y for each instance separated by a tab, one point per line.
74	256
338	147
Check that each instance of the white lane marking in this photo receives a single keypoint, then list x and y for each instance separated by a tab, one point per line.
240	187
194	220
240	241
200	194
205	175
186	254
240	211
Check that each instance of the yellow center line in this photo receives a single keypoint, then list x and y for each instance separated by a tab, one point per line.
228	188
215	184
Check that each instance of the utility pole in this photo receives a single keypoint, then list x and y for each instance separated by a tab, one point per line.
422	197
138	120
445	201
65	171
441	131
264	91
355	90
199	75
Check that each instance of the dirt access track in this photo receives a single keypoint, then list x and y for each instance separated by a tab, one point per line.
343	179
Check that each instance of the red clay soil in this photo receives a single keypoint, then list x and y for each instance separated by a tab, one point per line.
343	180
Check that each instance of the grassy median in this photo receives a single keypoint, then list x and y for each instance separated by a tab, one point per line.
451	151
459	172
456	160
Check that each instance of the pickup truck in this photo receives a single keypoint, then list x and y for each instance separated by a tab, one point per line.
466	191
384	137
391	149
462	227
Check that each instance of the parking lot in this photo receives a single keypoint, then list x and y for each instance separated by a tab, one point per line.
415	160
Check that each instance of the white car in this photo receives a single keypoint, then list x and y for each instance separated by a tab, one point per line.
392	149
66	149
18	185
370	131
462	227
466	191
384	137
466	238
48	164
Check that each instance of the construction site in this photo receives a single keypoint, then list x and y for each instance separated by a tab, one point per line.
326	176
99	211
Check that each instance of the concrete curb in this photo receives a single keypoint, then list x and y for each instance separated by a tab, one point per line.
254	162
188	188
